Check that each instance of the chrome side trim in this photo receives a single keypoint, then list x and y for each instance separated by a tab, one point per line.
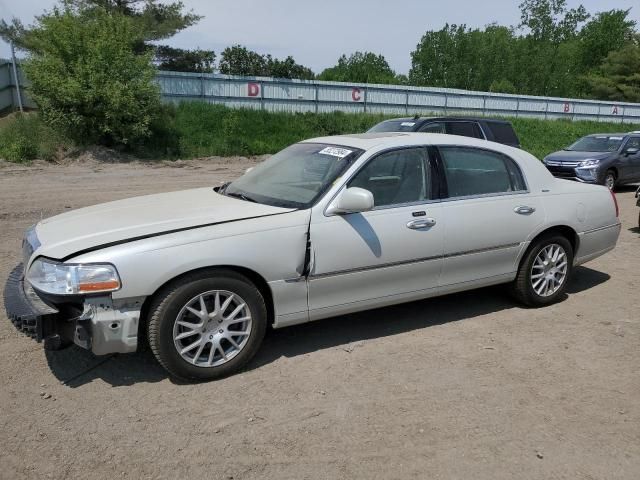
482	250
405	262
373	267
615	225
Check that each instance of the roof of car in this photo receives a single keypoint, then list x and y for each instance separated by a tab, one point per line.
609	134
422	119
368	141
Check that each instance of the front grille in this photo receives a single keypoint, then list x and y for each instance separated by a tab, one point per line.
552	163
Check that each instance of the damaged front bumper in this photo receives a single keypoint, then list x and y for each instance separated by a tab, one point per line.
95	323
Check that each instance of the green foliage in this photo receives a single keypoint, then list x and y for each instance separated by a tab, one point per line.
502	86
619	76
25	137
199	130
86	79
548	54
180	60
206	130
360	67
238	60
154	20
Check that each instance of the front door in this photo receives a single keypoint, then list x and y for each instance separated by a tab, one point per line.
390	254
487	217
632	160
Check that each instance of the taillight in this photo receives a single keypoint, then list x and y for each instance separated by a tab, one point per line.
615	202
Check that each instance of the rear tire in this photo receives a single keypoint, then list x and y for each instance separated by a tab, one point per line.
544	271
194	311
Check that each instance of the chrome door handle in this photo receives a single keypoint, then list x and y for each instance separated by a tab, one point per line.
424	223
524	210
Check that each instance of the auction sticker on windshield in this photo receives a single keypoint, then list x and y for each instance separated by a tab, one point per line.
335	152
407	124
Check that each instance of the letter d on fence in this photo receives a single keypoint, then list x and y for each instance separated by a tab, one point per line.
253	89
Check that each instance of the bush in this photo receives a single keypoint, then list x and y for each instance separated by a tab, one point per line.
87	79
25	137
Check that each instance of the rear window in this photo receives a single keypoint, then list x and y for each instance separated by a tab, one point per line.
503	133
394	126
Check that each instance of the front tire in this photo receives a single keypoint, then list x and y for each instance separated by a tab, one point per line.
610	179
207	325
544	271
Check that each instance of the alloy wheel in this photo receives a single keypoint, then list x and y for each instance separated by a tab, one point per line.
212	328
549	270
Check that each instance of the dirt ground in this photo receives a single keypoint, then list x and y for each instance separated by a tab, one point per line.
465	386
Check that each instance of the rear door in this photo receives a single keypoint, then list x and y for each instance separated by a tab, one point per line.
488	214
632	160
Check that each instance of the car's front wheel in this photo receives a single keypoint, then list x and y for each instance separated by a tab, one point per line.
609	180
207	325
544	271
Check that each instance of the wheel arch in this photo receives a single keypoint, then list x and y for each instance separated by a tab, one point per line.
258	280
565	230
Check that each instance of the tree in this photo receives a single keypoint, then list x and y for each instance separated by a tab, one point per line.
177	59
552	61
604	33
86	78
360	67
152	19
238	60
288	68
618	78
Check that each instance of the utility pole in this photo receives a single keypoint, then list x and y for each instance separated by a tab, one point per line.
15	76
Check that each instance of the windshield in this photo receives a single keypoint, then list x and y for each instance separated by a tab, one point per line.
394	126
599	143
295	177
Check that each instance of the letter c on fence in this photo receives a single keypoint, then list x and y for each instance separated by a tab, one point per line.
253	89
355	95
567	107
614	111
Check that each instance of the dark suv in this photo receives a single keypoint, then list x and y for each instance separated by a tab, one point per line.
499	131
609	159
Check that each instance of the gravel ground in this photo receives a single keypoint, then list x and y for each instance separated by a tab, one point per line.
464	386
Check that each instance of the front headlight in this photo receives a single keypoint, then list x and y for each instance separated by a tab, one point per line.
72	279
590	162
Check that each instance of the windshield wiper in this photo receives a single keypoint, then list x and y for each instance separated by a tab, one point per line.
241	196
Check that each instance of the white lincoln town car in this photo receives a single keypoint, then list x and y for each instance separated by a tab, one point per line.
326	227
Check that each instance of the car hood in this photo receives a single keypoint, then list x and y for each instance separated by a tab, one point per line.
139	217
568	156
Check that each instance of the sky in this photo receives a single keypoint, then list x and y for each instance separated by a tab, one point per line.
317	32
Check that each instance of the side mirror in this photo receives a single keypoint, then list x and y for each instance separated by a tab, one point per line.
351	200
631	151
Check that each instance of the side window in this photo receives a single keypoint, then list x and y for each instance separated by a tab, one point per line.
503	133
464	129
634	142
400	176
471	171
435	127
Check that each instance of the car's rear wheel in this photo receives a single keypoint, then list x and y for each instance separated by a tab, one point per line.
207	325
544	271
609	180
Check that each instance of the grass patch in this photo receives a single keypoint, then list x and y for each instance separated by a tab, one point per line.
199	129
24	137
205	129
